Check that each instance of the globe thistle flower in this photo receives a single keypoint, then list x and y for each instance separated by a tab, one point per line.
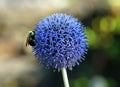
60	41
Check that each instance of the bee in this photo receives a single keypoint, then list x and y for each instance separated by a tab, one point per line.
30	39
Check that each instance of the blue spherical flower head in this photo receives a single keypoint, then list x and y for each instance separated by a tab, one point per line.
60	41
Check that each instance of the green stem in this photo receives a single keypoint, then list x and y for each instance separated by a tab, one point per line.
65	78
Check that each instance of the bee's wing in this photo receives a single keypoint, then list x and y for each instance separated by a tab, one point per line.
26	41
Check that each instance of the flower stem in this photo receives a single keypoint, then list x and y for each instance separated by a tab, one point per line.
65	78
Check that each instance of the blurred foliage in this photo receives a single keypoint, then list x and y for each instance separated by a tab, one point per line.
81	82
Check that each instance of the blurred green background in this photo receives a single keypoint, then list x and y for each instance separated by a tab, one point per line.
19	68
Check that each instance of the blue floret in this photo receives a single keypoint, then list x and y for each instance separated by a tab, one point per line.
60	41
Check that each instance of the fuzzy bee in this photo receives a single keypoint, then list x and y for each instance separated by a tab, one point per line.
30	38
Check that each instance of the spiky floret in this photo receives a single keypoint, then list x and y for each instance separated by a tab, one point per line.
60	41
